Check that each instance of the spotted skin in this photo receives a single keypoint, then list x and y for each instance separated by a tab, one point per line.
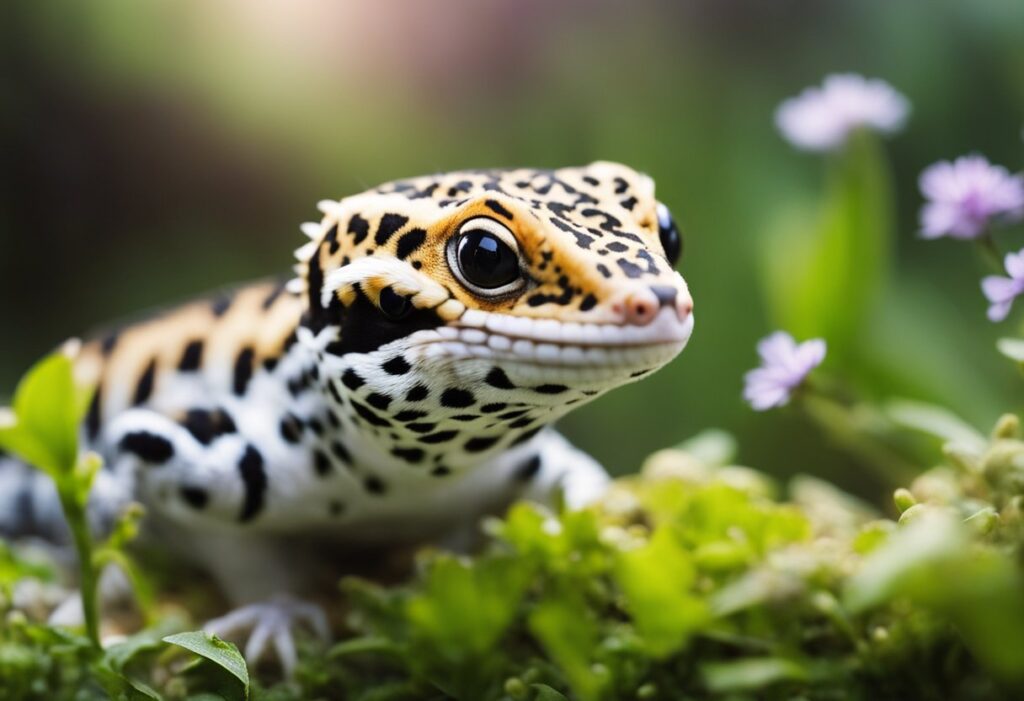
378	396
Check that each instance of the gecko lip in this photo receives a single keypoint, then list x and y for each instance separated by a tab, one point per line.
478	334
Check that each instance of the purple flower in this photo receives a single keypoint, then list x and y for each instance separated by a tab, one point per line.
821	118
1001	291
965	196
784	365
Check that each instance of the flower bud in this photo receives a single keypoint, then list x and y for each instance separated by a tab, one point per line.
903	499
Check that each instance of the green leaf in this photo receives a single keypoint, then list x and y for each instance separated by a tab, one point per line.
656	579
907	560
1012	348
711	447
569	635
222	653
936	421
824	271
751	674
464	607
546	693
48	408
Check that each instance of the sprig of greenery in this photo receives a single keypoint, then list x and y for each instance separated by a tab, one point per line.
42	429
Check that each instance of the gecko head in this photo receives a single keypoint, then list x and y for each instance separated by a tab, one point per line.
479	306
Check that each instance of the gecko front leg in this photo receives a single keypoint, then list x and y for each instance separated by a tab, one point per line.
559	471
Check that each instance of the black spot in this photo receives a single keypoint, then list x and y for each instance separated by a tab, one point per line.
389	224
250	467
92	418
526	436
498	379
317	426
243	371
628	203
369	415
528	470
144	388
378	401
375	485
632	270
291	428
456	398
519	423
591	180
341	452
409	242
465	417
334	393
333	420
206	425
588	303
396	366
417	393
352	380
196	497
550	389
492	408
335	508
108	343
148	446
439	437
441	471
412	455
513	414
497	208
268	302
359	228
481	443
331	239
409	415
603	269
269	364
421	427
221	304
322	463
620	185
616	247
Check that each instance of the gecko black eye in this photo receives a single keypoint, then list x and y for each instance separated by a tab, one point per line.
484	258
668	232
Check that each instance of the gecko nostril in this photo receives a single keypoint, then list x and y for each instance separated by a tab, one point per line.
665	294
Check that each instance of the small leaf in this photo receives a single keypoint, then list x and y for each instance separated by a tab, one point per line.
546	693
936	421
656	580
48	406
220	652
1012	348
751	674
712	447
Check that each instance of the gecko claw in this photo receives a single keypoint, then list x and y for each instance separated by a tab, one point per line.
271	624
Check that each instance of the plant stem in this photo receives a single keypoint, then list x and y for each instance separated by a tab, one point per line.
990	252
74	512
847	429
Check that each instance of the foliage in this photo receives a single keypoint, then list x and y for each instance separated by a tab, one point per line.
691	580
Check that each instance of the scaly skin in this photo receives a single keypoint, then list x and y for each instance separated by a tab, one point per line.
392	391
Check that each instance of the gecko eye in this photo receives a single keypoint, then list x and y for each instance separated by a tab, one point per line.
484	257
668	232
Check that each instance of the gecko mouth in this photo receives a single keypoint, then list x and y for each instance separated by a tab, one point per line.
546	342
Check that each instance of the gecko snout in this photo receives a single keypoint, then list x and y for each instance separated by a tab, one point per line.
640	306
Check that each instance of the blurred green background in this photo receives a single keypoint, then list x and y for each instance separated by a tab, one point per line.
155	150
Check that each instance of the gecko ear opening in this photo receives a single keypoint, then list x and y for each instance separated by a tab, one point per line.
394	305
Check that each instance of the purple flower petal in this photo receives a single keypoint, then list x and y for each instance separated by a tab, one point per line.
784	366
966	196
822	118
